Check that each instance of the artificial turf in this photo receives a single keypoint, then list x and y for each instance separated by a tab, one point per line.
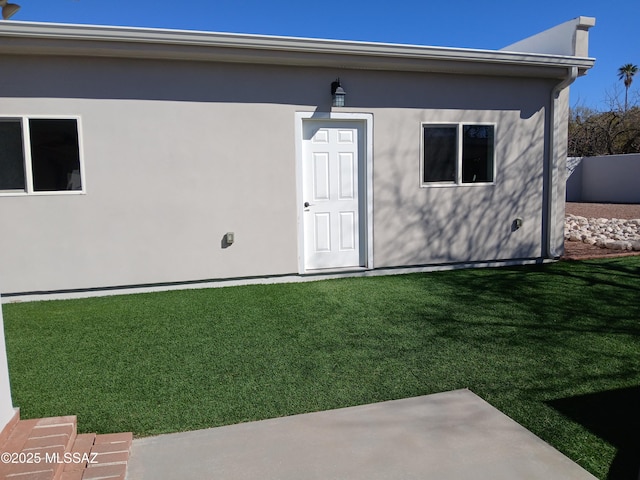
556	347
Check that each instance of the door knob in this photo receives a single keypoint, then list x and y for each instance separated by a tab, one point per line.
307	204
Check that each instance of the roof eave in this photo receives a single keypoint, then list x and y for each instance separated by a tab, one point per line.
27	38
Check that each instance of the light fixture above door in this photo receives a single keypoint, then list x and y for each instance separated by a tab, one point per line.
8	9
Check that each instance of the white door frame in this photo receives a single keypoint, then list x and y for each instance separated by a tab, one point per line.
366	181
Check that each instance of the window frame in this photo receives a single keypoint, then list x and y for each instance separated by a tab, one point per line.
459	126
28	160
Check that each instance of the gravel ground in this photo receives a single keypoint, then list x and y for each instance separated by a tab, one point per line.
579	250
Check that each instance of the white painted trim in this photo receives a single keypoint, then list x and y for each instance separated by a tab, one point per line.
26	148
458	183
28	160
367	120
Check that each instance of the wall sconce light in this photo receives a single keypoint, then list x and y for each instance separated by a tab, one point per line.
337	93
8	9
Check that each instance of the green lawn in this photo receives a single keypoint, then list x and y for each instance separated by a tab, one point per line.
556	347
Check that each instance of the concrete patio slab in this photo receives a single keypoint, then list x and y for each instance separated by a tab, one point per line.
450	435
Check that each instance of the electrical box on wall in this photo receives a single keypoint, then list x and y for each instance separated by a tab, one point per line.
229	238
516	225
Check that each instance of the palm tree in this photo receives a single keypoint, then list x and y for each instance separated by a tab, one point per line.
626	73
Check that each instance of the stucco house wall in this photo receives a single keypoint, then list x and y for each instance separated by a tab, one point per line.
178	152
166	178
7	412
466	222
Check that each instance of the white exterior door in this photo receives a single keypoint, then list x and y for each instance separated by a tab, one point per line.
331	162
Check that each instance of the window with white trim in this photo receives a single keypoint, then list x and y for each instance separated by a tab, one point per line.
454	154
39	155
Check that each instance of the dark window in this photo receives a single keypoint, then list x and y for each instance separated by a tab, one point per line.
55	156
444	161
11	156
52	159
477	153
440	146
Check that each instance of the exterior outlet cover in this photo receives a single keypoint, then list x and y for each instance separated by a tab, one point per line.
230	237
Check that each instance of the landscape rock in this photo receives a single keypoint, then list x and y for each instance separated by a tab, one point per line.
617	245
611	233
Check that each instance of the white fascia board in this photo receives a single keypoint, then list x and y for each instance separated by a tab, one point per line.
31	38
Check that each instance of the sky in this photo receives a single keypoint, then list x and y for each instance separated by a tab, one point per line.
614	41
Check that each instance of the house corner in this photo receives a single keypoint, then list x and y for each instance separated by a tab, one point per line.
7	413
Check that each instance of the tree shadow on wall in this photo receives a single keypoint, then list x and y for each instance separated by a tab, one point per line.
465	222
614	416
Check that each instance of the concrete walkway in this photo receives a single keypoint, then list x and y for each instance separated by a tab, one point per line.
452	435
